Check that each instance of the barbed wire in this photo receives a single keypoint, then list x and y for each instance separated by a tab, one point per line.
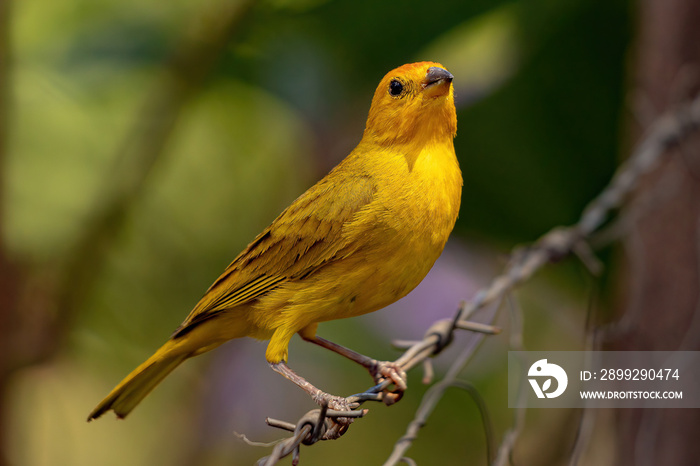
324	424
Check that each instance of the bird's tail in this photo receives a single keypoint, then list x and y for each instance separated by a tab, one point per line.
134	388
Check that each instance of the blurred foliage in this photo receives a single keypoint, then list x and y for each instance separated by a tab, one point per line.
540	87
550	136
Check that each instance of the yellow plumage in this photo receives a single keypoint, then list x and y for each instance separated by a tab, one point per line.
361	238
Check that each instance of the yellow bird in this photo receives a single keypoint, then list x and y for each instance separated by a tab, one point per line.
358	240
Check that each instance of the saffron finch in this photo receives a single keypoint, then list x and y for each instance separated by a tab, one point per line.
358	240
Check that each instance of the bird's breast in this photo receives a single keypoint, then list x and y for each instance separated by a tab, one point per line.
424	200
414	214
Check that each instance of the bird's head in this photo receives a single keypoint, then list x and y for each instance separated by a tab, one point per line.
413	104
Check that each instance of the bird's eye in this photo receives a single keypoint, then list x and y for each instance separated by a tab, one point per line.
395	88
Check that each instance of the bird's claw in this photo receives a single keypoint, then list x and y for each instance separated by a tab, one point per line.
387	370
336	403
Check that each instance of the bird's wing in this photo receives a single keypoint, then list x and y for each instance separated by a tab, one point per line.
307	235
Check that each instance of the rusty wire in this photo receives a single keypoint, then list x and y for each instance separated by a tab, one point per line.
323	424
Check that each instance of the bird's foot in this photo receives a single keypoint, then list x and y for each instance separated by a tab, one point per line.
339	423
387	370
336	403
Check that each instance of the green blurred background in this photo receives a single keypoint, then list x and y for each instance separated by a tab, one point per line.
95	176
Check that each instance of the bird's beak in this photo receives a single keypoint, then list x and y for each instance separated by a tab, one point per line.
437	82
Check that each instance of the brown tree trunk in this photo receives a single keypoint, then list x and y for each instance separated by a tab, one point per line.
662	273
